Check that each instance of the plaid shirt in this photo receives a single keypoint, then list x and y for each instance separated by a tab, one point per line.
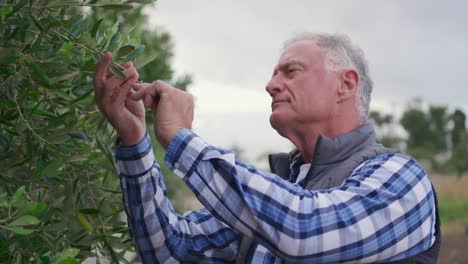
384	211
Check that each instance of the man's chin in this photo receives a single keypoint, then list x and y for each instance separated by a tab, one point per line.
278	122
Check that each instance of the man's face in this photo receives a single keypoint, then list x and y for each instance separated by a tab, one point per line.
303	92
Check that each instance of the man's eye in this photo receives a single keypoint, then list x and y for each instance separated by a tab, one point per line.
293	70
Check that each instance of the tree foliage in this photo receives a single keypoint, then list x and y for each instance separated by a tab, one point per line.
60	200
459	142
385	129
459	127
427	130
434	134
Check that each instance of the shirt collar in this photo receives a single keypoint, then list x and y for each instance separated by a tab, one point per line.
330	150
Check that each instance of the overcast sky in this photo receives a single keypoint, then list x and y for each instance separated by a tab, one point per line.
414	48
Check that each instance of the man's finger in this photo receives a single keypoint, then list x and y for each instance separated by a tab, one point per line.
148	99
138	86
109	75
101	69
124	65
127	85
142	90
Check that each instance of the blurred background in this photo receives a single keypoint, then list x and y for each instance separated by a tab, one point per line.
418	57
59	194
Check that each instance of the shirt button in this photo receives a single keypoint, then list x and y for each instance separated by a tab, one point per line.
177	165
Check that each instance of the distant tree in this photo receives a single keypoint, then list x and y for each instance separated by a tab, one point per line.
438	120
380	119
427	131
459	157
415	122
459	127
385	129
459	137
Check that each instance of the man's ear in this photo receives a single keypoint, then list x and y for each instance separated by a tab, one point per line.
349	84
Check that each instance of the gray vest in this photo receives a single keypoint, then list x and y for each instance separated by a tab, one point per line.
334	161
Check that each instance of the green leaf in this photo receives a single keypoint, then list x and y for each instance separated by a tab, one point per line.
67	76
76	158
8	56
117	72
20	230
7	103
110	190
116	7
38	207
135	53
141	64
42	113
112	252
75	27
6	11
79	135
113	212
115	27
18	196
90	211
65	52
95	29
61	94
37	42
84	222
4	144
139	1
57	139
52	169
68	256
113	42
83	97
39	72
37	23
29	207
125	50
105	151
19	6
29	145
24	220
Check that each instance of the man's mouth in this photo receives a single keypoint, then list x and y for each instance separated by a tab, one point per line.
276	103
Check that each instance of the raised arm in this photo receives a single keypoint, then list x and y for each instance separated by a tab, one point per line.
159	233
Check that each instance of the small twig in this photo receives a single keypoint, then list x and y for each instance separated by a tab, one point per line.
72	4
27	123
87	48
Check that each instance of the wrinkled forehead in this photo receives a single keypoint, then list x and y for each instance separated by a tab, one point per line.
305	51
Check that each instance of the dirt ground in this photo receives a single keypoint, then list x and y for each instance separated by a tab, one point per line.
454	250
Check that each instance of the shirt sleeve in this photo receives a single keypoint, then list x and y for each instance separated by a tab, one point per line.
159	233
383	211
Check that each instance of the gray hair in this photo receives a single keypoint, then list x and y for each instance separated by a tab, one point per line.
340	53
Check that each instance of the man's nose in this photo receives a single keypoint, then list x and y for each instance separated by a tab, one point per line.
274	86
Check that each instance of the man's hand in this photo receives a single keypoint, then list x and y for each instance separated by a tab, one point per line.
172	108
125	114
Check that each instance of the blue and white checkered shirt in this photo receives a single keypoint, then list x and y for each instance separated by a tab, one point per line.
384	211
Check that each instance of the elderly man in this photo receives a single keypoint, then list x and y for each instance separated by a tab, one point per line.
338	197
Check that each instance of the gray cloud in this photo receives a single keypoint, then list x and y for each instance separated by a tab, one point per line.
415	48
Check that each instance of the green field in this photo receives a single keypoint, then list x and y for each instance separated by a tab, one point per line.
453	203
